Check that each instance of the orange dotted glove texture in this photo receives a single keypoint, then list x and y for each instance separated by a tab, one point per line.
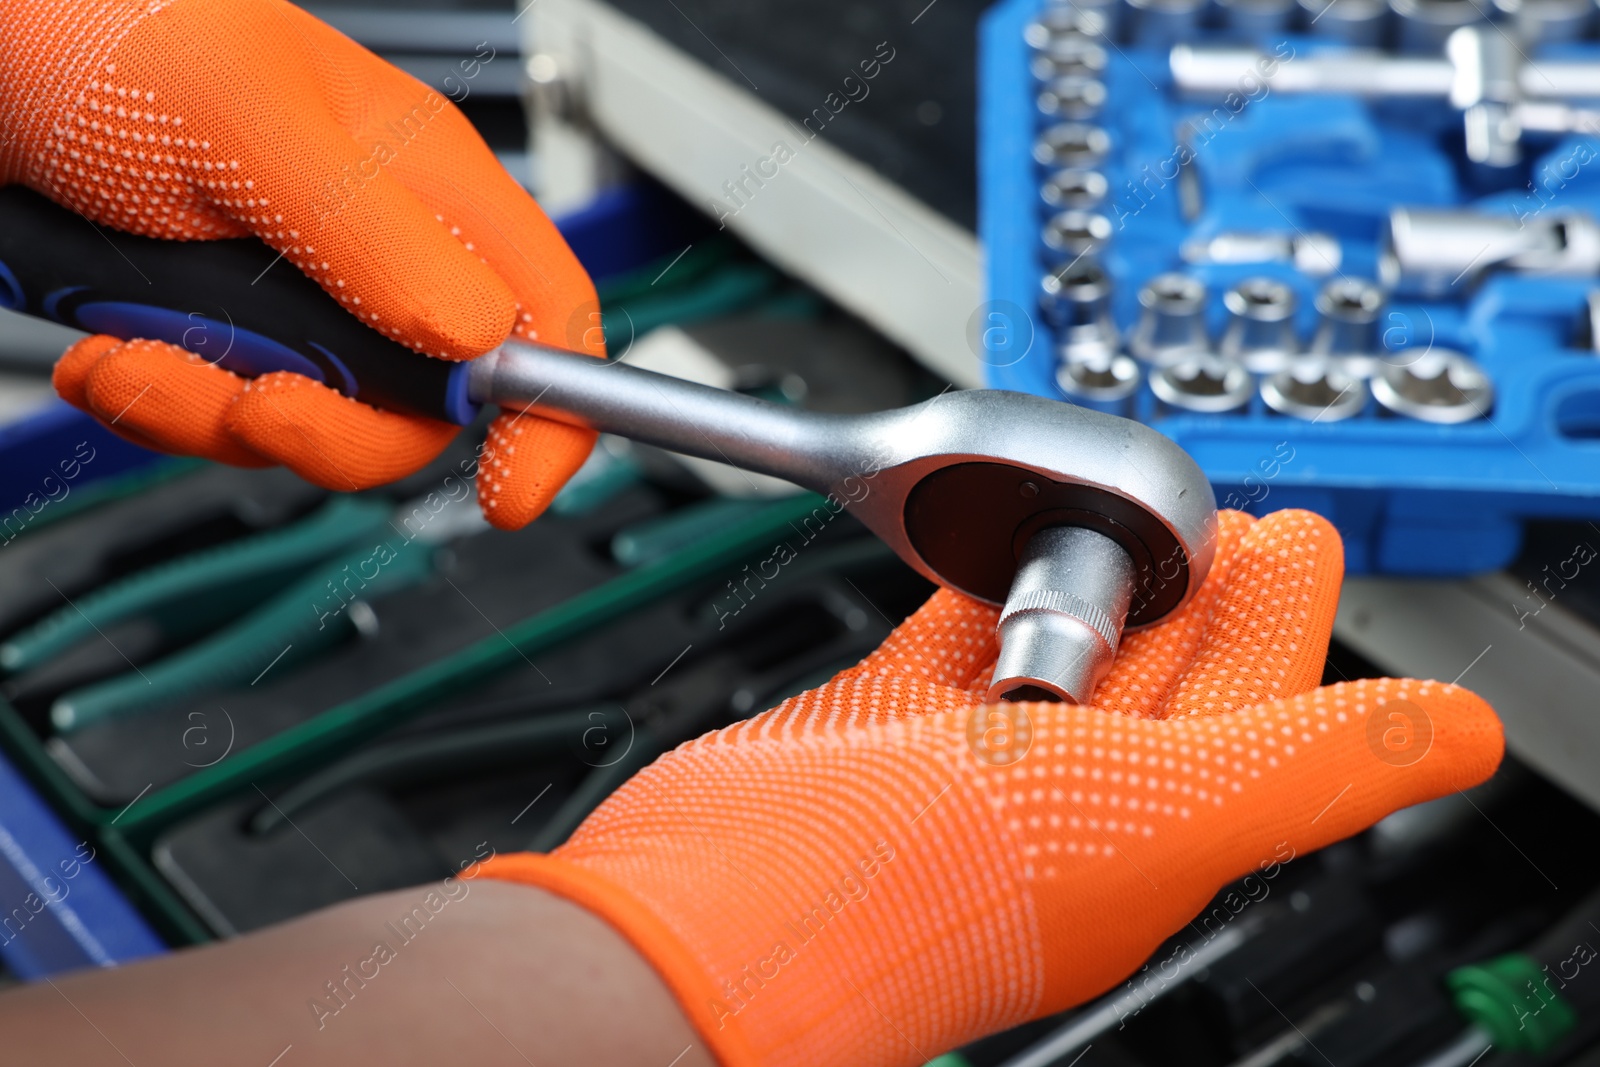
196	119
885	868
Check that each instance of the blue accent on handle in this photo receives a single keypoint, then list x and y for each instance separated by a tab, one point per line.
351	386
11	297
61	908
458	406
243	351
53	301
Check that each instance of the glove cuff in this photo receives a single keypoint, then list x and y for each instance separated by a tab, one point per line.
668	956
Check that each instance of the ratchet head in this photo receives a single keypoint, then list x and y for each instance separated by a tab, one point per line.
964	482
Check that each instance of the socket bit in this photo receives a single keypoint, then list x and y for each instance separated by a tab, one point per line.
1261	21
1072	144
1059	22
1104	380
1077	302
1439	386
1355	22
1347	331
1163	23
1073	96
1071	55
1314	389
1260	331
1425	25
1073	234
1070	597
1536	22
1074	188
1205	384
1172	320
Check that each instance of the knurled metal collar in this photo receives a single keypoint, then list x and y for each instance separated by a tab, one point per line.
1058	602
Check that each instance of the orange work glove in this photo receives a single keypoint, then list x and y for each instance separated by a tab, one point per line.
885	868
196	119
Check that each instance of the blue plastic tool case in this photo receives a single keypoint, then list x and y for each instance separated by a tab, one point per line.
1409	497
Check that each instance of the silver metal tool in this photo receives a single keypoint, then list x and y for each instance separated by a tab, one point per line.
1314	389
1430	252
1059	22
1316	254
1172	320
1260	331
1439	386
1072	145
1163	23
1069	55
1258	20
1349	309
1074	187
1205	383
1075	233
1425	24
1105	380
1072	96
1536	22
1355	22
1076	298
968	488
1483	72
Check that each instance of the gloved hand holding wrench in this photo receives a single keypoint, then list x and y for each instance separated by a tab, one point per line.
876	870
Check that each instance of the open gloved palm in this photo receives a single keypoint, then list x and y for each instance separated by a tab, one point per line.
886	867
204	119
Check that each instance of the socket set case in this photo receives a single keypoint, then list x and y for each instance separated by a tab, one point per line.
1479	402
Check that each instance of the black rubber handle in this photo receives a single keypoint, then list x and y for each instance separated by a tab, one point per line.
230	302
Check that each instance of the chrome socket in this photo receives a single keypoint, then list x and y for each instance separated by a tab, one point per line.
1539	22
1069	55
1072	145
1074	188
1064	616
1172	320
1439	386
1164	23
1077	302
1347	332
1072	234
1314	389
1104	380
1355	22
1261	21
1072	96
1260	331
1426	24
1059	22
1205	384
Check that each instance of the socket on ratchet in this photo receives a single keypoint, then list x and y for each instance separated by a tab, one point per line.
1080	524
980	490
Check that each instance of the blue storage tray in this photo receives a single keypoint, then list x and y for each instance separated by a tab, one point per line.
59	909
1409	497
